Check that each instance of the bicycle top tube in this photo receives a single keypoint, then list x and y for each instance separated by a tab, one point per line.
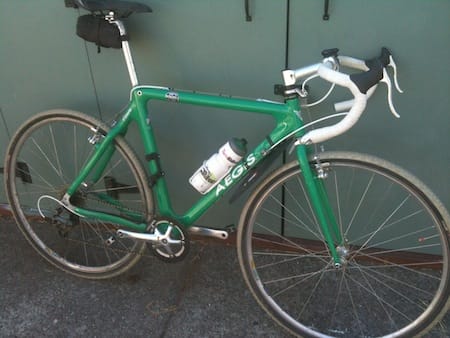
146	93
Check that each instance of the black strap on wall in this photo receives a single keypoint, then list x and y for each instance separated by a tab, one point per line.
91	74
7	132
326	14
248	16
5	124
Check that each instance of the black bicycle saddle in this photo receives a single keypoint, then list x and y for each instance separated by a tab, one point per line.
123	8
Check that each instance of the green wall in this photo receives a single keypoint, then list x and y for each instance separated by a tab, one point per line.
206	45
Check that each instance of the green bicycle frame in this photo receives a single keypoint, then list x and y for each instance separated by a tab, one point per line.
288	125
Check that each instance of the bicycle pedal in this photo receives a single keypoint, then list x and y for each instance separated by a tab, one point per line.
231	228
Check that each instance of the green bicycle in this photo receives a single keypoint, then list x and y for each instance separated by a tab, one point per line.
332	244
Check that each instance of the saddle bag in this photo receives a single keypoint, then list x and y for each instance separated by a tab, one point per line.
94	28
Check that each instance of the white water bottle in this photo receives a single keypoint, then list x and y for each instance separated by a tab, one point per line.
218	165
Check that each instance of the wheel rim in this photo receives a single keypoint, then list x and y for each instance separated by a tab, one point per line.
293	275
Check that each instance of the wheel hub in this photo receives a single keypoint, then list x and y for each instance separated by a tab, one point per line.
343	252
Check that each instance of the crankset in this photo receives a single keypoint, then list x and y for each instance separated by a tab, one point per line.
174	243
167	240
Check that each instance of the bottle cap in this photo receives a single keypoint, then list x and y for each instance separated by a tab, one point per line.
238	145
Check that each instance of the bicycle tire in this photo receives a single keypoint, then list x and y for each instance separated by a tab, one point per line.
395	278
43	157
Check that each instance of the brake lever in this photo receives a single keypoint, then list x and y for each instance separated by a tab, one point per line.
394	67
387	80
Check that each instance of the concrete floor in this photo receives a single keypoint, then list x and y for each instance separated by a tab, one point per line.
203	296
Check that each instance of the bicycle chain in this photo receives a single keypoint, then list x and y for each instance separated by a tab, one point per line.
105	246
112	205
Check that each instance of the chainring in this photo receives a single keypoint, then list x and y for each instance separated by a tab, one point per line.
174	244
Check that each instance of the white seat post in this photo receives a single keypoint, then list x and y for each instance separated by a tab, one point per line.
126	51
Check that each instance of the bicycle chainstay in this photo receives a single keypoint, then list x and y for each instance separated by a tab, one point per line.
113	234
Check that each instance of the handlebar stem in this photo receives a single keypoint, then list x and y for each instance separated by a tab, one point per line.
290	77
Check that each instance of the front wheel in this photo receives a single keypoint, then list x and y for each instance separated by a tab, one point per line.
394	278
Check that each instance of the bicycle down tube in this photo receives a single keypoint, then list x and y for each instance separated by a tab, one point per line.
288	124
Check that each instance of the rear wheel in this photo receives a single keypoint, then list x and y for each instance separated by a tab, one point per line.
43	158
394	278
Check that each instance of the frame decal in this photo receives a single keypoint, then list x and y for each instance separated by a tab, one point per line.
172	97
